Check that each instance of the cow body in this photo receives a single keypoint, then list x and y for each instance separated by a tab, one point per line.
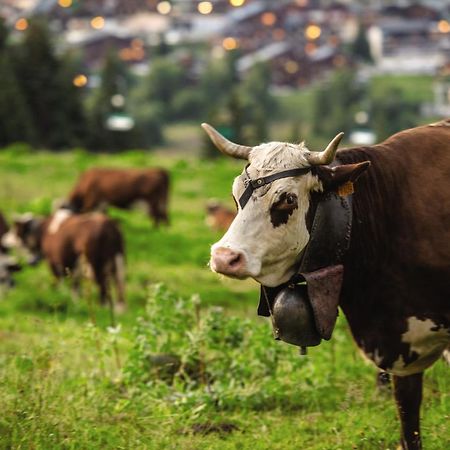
396	290
73	243
122	188
399	257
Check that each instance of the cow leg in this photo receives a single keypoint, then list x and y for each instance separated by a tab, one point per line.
119	280
103	289
58	272
102	283
153	212
76	279
162	210
408	395
158	211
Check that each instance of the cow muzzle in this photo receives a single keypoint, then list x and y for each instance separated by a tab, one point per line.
229	262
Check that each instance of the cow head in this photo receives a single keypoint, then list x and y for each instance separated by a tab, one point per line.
268	234
26	233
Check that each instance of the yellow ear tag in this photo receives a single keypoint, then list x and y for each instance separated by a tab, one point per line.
345	189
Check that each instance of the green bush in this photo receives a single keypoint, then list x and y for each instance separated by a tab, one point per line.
190	357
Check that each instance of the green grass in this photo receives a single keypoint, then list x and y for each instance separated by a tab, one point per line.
62	386
416	88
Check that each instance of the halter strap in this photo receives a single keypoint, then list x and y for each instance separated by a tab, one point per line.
251	185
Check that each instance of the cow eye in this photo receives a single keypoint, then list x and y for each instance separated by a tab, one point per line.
287	201
282	209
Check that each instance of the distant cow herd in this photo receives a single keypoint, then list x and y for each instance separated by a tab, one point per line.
79	239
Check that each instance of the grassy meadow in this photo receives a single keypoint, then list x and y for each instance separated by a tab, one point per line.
71	380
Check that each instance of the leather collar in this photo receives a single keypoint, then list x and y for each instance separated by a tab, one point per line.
251	185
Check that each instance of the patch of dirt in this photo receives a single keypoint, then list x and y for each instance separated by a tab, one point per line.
208	428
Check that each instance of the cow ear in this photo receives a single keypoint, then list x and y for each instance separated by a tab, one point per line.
334	177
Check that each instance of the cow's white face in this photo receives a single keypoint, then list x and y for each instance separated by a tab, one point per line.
266	237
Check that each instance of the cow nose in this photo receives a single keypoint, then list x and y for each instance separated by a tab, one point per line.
227	261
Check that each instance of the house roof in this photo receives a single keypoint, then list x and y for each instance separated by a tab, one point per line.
266	53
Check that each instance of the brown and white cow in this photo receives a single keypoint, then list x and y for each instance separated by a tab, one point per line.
76	243
122	188
218	216
396	289
8	264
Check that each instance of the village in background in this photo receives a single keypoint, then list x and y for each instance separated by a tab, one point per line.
111	75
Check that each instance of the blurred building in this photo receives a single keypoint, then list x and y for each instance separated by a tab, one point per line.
410	39
301	40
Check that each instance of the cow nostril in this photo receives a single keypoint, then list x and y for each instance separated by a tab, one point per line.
227	261
235	261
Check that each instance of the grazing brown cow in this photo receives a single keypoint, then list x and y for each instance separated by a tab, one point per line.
218	216
122	188
72	243
381	253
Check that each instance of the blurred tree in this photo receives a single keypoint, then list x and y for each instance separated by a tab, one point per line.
189	104
217	80
109	102
259	103
360	47
73	106
224	105
163	48
148	124
335	103
3	33
236	110
165	79
391	113
16	123
53	103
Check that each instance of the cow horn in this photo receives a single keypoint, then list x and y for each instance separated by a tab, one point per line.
224	145
327	156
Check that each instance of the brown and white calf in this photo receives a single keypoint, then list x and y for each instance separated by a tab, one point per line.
122	188
75	243
396	289
218	216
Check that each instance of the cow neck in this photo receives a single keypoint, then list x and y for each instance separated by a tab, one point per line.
329	221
